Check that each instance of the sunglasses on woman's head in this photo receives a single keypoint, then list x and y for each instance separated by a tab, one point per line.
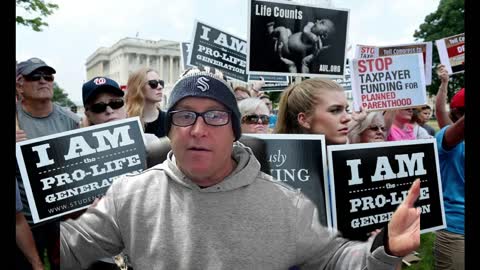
102	106
154	83
253	119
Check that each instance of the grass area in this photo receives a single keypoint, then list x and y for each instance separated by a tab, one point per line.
425	253
427	239
434	124
46	265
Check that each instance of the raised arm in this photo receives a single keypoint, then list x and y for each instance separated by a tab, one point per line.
93	235
256	87
441	99
388	117
454	134
319	248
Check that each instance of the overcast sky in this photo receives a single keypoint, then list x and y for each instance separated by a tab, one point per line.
78	28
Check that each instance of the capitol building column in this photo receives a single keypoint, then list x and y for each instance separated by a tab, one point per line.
170	73
161	68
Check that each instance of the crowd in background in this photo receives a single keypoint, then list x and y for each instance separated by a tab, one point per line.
313	106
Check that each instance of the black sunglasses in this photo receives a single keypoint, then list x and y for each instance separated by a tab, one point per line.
102	106
377	128
253	119
154	83
38	76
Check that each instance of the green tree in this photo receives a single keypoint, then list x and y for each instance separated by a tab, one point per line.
38	9
60	97
447	20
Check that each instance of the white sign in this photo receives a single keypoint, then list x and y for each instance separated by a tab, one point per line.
388	82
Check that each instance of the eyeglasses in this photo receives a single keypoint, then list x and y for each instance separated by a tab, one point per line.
154	83
377	128
253	119
38	76
187	118
102	106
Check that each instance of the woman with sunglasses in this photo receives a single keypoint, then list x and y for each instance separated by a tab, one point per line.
103	102
144	94
255	115
368	127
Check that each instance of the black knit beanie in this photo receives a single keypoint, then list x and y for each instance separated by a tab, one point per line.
205	82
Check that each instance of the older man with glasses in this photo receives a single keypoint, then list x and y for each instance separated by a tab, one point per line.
38	116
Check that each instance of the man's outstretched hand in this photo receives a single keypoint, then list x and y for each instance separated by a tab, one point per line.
404	227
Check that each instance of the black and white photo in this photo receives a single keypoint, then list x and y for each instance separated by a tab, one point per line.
297	40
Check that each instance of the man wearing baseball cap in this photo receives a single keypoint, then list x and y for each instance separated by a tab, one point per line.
449	245
38	116
208	205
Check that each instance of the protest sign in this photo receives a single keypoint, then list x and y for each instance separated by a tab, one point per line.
452	53
65	172
289	38
186	48
425	48
272	83
388	82
297	160
370	180
346	81
215	48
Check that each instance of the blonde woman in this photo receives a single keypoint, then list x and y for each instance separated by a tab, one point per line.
314	106
144	94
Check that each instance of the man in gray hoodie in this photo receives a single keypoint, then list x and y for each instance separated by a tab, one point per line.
208	206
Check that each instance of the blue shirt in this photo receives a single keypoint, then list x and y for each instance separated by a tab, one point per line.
452	171
273	121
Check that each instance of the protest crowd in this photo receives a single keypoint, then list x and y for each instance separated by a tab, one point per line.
185	186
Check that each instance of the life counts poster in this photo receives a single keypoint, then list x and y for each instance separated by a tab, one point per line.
287	38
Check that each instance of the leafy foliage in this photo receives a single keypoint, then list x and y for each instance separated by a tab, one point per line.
60	97
447	20
38	9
